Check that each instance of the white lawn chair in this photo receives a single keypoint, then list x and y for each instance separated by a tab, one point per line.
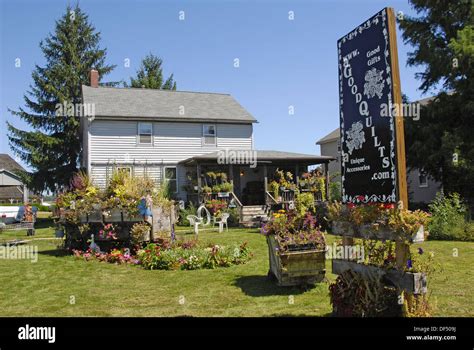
222	222
194	222
202	208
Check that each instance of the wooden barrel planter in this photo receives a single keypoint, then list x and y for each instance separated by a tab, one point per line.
294	267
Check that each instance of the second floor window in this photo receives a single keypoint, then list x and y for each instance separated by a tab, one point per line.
209	134
145	133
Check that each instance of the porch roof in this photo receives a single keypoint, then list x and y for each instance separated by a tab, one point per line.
262	156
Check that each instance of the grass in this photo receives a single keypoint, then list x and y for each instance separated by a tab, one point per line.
47	287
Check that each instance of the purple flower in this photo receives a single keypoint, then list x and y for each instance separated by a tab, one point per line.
420	251
409	263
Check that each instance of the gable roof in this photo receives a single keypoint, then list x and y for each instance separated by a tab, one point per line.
332	136
9	164
133	103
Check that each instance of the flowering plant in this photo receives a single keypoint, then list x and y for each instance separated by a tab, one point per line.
293	231
108	232
379	216
216	205
116	256
314	181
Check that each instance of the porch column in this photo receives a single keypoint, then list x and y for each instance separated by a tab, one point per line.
297	170
198	173
326	171
25	194
231	176
265	178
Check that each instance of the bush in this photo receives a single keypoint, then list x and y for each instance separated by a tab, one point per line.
335	191
448	221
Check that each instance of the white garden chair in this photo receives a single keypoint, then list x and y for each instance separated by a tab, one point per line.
195	221
222	222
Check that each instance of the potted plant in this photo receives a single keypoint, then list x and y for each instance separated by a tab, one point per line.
225	188
297	248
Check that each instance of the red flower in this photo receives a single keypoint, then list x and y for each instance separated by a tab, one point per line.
361	198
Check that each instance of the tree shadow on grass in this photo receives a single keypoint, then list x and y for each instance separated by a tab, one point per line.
261	286
59	253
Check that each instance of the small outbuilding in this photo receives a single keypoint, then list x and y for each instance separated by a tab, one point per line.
12	189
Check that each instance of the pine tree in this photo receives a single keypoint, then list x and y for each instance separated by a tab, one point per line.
53	147
150	75
441	141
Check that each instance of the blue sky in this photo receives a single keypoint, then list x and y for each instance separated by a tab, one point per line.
282	63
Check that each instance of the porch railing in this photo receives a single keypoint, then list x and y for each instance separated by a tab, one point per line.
270	200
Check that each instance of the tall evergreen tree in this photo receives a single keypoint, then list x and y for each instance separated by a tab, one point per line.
150	75
441	141
53	147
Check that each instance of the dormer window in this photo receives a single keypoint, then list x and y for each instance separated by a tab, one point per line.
145	133
209	134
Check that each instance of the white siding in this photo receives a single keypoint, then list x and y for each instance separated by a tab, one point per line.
172	142
114	141
99	173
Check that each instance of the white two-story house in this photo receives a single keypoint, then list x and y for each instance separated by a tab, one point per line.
174	135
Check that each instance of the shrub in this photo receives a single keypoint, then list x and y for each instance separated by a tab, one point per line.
304	202
448	220
140	232
335	191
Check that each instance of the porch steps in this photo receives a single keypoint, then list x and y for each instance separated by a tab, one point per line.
251	215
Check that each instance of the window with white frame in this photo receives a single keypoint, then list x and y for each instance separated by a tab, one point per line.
145	133
171	178
422	178
209	135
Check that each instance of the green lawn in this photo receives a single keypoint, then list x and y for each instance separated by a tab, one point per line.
45	288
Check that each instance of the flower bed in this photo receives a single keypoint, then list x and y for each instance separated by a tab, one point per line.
164	255
187	256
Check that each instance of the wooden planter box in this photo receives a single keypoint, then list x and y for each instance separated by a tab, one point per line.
412	282
115	215
135	218
342	228
294	268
